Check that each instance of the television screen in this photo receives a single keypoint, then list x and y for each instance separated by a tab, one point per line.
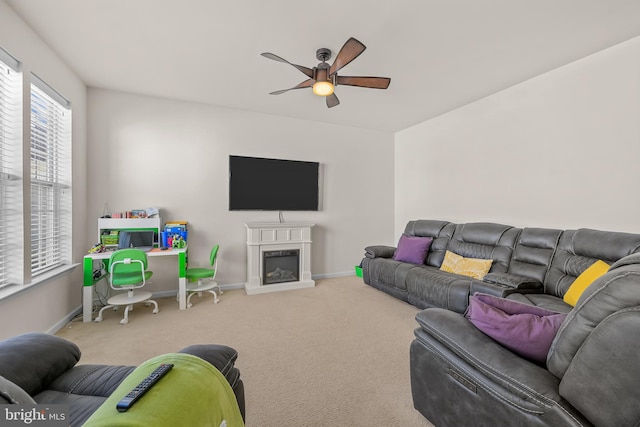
272	184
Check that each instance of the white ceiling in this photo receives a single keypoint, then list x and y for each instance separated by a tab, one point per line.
440	54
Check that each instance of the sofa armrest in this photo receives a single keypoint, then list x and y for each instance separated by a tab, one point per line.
512	280
379	251
503	284
457	334
192	383
223	358
11	393
91	380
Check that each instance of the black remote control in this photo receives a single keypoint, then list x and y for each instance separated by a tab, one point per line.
139	390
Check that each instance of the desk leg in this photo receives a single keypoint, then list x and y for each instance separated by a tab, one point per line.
87	303
87	289
182	280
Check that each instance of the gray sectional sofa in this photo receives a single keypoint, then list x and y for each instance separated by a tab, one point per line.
462	376
532	265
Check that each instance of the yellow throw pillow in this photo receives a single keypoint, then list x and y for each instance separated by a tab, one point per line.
583	281
472	267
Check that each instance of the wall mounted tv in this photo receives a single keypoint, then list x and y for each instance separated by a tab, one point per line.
272	184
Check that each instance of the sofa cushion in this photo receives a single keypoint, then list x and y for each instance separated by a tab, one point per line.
412	249
432	287
581	283
472	267
524	329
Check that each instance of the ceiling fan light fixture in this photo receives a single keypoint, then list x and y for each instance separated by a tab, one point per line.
323	88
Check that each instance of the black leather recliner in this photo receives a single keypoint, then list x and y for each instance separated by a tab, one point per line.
43	367
460	376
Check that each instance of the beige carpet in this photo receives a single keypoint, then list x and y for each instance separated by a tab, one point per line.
333	355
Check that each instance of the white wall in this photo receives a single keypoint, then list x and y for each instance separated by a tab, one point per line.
41	307
560	150
151	152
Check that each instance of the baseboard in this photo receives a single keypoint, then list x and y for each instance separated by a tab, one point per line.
63	322
332	275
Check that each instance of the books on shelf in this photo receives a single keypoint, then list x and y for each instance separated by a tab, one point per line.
137	213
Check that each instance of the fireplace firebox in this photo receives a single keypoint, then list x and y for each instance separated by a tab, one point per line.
280	266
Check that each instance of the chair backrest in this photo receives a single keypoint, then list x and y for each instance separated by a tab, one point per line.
213	258
127	269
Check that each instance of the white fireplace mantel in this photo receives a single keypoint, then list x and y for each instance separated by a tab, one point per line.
267	236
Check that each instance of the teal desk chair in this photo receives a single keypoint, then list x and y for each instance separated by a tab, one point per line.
128	271
201	280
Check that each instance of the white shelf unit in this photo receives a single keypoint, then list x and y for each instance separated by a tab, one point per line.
108	224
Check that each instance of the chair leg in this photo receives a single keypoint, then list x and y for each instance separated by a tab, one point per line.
156	309
199	293
189	305
125	320
99	318
215	296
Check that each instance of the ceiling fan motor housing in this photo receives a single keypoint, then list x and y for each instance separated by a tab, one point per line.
323	54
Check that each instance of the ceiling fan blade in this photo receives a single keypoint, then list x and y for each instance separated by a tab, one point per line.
370	82
306	83
332	100
350	51
305	70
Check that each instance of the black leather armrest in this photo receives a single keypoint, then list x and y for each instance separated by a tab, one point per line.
379	251
503	284
223	358
91	380
512	280
455	333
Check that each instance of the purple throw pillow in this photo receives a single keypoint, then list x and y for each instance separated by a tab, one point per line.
412	249
524	329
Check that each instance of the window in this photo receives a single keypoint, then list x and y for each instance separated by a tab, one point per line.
11	220
50	178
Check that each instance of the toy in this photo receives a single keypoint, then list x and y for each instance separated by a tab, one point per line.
177	241
97	248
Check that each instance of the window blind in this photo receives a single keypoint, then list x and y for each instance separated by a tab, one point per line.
11	220
50	178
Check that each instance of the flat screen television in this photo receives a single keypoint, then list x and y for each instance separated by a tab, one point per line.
272	184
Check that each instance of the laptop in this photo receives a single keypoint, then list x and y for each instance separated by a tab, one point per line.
139	239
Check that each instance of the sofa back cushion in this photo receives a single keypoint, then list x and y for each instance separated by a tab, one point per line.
33	360
485	241
579	249
440	231
533	252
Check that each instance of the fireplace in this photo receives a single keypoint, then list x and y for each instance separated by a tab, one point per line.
278	256
280	266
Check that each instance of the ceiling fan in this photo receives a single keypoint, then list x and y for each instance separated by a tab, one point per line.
324	78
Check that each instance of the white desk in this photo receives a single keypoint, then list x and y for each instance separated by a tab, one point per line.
89	282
